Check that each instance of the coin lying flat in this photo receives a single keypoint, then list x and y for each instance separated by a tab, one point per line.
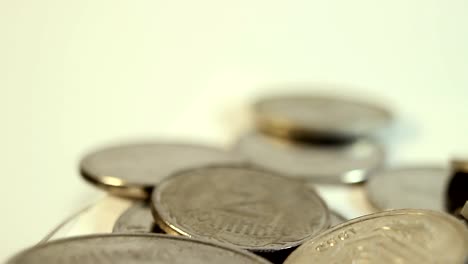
342	163
308	116
242	206
136	219
133	170
133	248
418	188
399	236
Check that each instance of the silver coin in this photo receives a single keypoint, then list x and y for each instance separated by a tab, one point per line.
133	170
136	219
249	208
132	248
390	237
336	218
418	188
328	163
318	116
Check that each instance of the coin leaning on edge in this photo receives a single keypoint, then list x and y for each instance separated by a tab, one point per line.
318	116
132	170
245	207
336	163
135	249
397	236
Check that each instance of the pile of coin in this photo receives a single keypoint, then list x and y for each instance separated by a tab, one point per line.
257	202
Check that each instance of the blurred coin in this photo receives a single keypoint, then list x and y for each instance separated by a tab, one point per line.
457	188
418	188
132	248
327	163
132	170
336	218
399	236
308	116
245	207
136	219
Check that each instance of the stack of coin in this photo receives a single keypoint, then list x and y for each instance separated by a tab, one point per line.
257	203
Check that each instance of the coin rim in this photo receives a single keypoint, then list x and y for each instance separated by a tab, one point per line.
285	128
175	229
123	188
253	257
449	219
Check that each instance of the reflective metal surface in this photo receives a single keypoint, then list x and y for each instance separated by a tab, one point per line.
246	207
308	116
133	248
136	219
132	170
399	236
416	187
327	163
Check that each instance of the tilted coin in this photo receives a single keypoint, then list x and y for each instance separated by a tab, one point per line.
399	236
416	187
133	248
308	116
464	211
246	207
133	170
342	163
136	219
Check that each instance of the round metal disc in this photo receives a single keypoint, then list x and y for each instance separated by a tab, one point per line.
307	116
136	219
133	170
400	236
132	248
245	207
328	163
417	188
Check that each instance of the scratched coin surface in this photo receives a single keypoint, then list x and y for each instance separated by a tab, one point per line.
400	236
249	208
132	170
415	187
135	249
318	116
136	219
327	163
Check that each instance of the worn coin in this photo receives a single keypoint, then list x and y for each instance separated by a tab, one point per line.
133	248
136	219
133	170
399	236
328	163
308	116
415	187
243	206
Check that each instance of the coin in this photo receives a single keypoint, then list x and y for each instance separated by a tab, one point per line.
133	170
348	163
132	248
336	218
399	236
136	219
415	187
243	206
309	116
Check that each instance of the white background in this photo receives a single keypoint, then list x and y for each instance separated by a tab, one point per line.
78	74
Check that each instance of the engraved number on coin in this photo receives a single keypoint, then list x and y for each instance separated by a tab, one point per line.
335	240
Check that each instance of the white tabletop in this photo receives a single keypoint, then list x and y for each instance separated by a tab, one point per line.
78	74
